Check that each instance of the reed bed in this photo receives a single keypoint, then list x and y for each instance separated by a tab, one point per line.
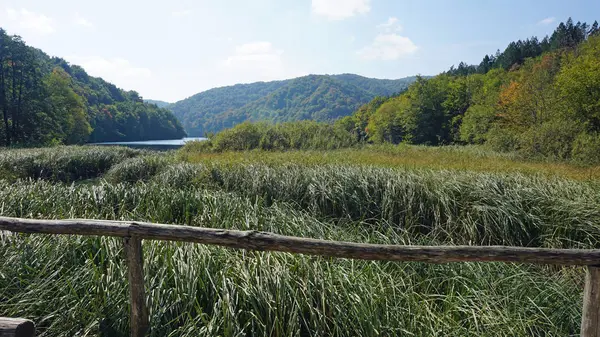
73	285
64	163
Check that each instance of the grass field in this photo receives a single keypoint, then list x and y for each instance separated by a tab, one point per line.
462	158
72	285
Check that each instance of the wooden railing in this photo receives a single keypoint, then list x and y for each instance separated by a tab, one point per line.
134	232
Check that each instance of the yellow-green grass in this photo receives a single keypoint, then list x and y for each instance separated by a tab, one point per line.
469	158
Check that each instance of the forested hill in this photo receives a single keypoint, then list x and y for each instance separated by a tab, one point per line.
160	104
44	100
537	97
376	86
316	97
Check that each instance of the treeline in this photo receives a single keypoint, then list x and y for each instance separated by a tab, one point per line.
541	98
321	98
546	104
566	35
45	100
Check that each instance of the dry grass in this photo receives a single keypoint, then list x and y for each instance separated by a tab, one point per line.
475	159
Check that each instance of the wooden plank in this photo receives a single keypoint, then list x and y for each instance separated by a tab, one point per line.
139	323
16	327
254	240
590	318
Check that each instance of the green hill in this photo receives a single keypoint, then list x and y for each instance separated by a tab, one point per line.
46	100
539	98
379	87
316	97
158	103
313	97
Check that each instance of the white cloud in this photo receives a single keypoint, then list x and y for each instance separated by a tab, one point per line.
547	21
256	61
31	22
181	13
116	70
388	44
391	25
388	47
12	14
81	21
340	9
257	48
256	55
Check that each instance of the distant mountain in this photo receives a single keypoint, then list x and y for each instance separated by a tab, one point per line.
160	104
316	97
379	87
212	106
313	97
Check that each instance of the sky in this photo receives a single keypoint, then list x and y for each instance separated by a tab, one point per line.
170	50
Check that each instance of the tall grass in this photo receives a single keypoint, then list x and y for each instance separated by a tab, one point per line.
458	158
76	286
65	163
72	285
136	169
457	207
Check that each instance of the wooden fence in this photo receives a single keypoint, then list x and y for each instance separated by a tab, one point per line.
134	232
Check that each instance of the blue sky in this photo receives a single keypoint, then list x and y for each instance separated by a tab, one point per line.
172	49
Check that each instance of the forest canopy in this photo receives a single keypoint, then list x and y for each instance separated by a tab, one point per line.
45	100
540	98
323	98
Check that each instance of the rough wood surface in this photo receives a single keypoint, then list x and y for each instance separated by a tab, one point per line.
590	318
138	317
254	240
16	327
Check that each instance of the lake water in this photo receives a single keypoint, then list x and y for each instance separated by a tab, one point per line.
157	144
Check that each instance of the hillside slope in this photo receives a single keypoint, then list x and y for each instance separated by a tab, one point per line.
318	97
313	97
539	98
45	100
376	86
158	103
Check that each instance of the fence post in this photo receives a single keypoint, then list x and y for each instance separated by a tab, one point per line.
138	313
16	327
590	318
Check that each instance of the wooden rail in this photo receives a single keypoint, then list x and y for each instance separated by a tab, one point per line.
134	232
16	327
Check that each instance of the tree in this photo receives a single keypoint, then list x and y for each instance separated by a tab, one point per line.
4	65
427	121
593	29
44	99
67	109
386	124
476	123
579	84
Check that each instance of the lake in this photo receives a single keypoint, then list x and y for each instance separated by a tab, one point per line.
163	144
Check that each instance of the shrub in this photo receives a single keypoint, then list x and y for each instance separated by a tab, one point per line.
245	136
476	123
502	140
586	149
551	140
302	135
